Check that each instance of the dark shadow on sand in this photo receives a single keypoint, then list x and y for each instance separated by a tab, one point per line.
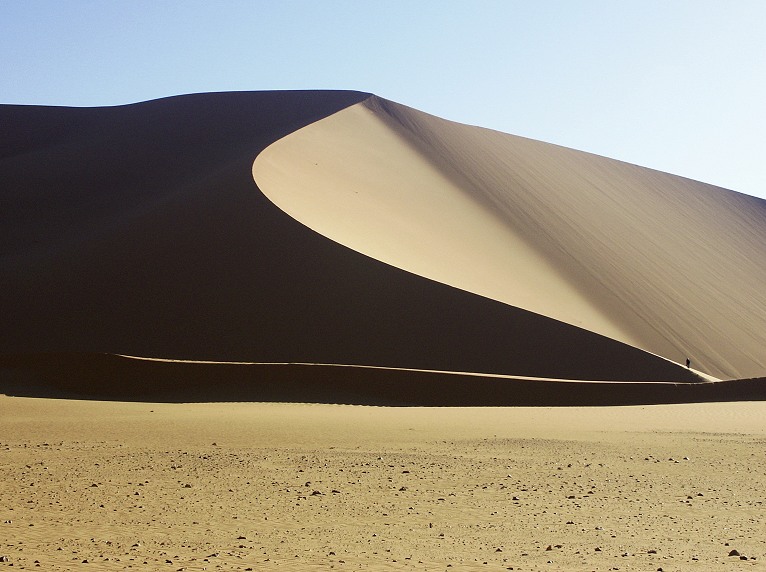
110	377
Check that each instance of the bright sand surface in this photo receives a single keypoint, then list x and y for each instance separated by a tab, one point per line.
660	262
249	486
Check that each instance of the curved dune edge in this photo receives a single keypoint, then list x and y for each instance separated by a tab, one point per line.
355	178
129	378
656	261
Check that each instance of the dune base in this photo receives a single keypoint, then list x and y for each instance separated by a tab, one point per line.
125	378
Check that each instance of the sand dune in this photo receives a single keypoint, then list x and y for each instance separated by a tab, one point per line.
404	245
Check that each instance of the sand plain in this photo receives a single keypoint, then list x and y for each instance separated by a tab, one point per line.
98	485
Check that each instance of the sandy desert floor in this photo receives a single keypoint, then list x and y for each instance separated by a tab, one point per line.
234	486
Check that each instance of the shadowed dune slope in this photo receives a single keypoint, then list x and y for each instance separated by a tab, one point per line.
659	262
139	230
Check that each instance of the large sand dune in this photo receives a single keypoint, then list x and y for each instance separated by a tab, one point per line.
387	239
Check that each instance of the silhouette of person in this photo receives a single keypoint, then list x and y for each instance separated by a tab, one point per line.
688	362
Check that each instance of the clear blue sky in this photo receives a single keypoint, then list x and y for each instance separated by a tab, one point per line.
676	85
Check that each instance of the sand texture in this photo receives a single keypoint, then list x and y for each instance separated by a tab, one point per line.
340	230
148	486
